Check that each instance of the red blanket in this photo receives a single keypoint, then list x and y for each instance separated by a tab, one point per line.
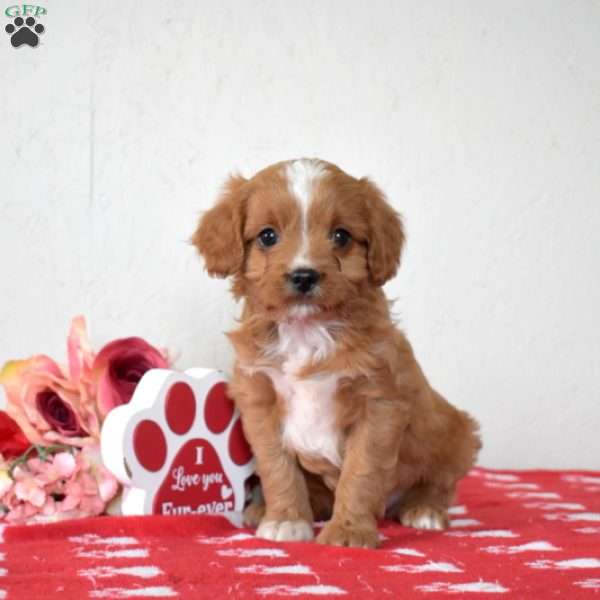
514	534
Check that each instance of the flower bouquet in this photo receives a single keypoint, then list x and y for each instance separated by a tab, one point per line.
50	466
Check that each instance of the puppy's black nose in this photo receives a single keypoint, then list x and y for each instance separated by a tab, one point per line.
304	280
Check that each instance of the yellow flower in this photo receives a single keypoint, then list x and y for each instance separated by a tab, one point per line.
5	482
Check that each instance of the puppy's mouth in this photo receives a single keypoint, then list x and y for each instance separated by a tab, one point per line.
302	311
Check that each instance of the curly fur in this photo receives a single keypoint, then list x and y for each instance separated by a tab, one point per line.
334	404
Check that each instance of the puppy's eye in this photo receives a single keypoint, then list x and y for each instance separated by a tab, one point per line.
340	237
268	237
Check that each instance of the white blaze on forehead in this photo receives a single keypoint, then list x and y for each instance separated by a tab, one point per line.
302	175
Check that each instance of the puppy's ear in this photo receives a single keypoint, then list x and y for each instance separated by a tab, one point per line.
218	237
386	234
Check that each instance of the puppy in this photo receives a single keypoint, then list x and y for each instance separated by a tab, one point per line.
343	423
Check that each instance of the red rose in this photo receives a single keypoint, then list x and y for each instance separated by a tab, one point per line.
58	414
118	368
12	440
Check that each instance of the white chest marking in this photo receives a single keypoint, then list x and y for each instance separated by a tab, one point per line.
309	425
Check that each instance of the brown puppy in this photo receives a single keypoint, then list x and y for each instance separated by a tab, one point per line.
343	423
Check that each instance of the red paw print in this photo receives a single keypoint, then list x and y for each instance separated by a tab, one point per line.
182	448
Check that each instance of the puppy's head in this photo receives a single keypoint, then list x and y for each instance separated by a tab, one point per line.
301	237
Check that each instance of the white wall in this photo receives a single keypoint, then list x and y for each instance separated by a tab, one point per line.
481	120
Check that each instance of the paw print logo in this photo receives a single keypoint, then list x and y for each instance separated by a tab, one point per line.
24	32
179	445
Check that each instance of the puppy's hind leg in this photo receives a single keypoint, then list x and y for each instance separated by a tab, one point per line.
321	497
425	506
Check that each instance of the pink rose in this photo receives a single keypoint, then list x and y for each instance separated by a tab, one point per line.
81	355
81	358
50	404
48	407
118	368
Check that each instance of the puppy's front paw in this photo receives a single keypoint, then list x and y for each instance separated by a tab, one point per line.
285	531
357	536
425	517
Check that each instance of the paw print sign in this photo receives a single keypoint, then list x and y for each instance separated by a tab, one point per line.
178	446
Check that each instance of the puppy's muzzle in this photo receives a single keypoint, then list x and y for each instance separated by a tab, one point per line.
303	281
